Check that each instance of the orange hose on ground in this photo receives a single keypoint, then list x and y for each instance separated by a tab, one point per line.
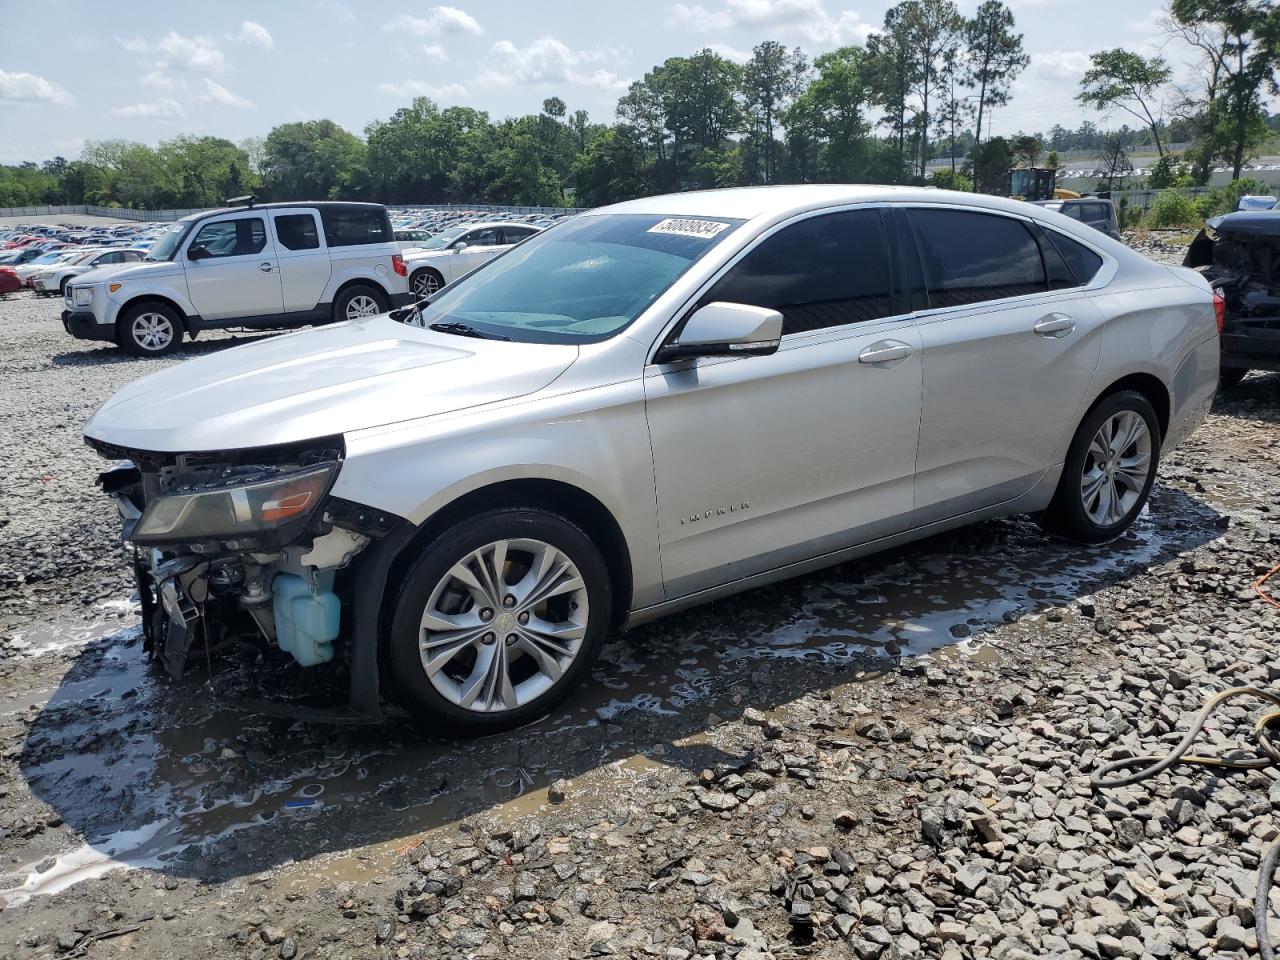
1257	585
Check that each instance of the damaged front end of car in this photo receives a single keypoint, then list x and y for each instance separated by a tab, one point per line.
1239	254
248	545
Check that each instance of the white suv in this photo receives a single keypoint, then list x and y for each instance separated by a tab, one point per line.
277	265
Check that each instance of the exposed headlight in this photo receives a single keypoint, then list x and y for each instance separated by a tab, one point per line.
84	296
228	512
39	278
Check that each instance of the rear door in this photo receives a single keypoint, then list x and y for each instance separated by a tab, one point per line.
239	276
1007	360
303	257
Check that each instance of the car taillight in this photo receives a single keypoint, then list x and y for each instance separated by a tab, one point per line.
1219	309
397	264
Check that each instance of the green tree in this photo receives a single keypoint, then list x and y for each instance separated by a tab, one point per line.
891	71
612	168
1240	40
829	118
934	30
1026	148
314	160
990	163
993	56
772	79
1121	79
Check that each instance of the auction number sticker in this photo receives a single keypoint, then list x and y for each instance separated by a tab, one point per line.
702	229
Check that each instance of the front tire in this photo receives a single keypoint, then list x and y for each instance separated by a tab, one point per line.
425	282
358	302
498	621
149	330
1109	470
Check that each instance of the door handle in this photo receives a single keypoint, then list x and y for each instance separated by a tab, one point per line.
265	267
1055	325
885	351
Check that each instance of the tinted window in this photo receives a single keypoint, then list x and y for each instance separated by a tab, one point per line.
297	231
351	226
971	257
131	255
232	238
516	234
822	272
1096	212
482	238
1059	274
1071	210
1084	263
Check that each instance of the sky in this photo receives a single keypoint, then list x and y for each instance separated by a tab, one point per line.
77	70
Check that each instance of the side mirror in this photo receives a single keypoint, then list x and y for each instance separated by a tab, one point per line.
726	330
198	252
460	246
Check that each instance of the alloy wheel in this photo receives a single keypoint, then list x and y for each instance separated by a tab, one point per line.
1116	467
425	284
152	331
361	305
503	625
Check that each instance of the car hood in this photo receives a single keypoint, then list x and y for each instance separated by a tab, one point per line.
318	383
130	271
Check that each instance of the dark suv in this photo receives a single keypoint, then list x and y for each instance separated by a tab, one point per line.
1091	211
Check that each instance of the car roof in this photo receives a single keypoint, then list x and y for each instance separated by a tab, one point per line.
288	204
750	203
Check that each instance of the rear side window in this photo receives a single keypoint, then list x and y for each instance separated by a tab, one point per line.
972	257
825	271
1083	262
297	231
516	234
352	226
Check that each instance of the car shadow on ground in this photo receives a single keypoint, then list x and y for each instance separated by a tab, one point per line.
102	353
164	774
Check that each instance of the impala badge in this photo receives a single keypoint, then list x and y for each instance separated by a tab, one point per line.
716	512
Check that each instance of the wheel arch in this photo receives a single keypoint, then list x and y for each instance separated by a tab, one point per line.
1149	386
145	298
556	496
360	282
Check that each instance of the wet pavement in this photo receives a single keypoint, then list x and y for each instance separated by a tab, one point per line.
165	775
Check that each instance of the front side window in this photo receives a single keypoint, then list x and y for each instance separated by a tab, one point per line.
482	238
297	231
582	281
232	238
971	257
826	271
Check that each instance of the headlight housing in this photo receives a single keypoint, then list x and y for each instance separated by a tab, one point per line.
84	296
232	511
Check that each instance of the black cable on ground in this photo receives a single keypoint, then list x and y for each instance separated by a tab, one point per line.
1149	766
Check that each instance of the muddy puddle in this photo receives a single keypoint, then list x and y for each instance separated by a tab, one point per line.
160	774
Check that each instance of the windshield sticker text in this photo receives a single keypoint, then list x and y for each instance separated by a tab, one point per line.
702	229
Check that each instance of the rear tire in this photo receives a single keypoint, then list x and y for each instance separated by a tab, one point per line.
149	330
531	595
1110	467
357	302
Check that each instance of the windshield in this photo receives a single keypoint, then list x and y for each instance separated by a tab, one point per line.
168	242
52	257
580	281
443	238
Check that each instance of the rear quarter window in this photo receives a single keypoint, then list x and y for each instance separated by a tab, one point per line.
354	226
1083	262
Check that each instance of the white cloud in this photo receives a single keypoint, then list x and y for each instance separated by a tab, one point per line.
254	33
162	108
438	20
808	19
420	88
548	60
212	92
17	87
729	53
434	51
198	53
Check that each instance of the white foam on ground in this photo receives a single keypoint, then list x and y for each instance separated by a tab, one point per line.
118	851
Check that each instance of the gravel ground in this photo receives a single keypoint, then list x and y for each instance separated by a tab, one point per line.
887	759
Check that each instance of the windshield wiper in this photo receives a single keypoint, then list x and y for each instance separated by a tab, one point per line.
464	330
